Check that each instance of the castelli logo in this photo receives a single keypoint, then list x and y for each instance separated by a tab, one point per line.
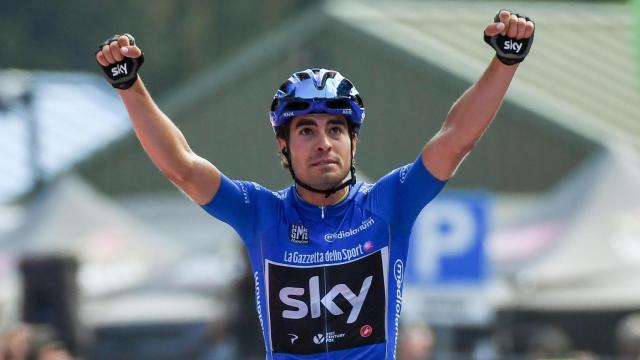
366	331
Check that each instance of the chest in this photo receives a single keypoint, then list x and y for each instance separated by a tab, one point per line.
298	240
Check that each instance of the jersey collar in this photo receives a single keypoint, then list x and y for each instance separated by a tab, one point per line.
320	212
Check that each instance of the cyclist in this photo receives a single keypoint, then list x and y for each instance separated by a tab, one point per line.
328	253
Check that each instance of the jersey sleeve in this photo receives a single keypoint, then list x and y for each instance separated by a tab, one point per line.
237	203
400	195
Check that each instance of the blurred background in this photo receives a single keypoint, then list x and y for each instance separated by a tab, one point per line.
532	251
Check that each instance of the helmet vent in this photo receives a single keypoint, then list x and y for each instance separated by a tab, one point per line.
344	89
302	75
285	86
274	104
325	76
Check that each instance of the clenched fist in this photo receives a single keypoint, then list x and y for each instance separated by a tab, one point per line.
120	59
511	35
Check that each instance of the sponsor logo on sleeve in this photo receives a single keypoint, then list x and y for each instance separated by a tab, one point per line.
365	188
281	195
245	193
403	173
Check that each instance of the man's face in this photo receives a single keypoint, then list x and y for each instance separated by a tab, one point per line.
320	149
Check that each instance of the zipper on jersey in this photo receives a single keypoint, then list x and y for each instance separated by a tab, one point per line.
322	211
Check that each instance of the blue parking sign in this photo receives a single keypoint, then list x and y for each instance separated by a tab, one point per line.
448	241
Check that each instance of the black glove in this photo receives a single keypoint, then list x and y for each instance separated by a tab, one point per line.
123	74
508	50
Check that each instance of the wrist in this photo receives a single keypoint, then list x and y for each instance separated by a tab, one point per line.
496	61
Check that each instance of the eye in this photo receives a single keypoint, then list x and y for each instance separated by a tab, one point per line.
305	131
336	130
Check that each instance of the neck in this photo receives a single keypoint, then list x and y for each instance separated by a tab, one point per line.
320	199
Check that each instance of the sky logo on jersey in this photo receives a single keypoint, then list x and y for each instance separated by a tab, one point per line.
356	300
334	300
299	234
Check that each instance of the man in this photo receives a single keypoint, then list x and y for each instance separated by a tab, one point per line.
327	253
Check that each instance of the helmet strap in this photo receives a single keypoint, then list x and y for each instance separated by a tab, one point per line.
350	182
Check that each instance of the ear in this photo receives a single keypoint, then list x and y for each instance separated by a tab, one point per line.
281	144
354	144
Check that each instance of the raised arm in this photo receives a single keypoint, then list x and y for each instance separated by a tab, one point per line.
161	139
472	113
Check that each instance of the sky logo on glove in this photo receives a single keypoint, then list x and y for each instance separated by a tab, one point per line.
513	45
119	69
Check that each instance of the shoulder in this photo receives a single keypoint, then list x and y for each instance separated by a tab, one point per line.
361	190
262	193
245	192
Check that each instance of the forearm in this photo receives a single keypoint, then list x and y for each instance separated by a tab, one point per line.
161	139
473	112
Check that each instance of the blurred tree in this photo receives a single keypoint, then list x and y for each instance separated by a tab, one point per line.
178	37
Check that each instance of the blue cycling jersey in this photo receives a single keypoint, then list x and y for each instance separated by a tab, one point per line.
328	279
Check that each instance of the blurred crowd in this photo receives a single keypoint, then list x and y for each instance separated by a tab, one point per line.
32	342
417	341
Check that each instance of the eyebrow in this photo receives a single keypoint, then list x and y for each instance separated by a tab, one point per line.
337	122
305	122
310	122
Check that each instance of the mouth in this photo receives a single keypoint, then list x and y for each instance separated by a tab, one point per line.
324	162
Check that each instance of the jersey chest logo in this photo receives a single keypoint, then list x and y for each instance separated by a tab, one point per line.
299	234
326	307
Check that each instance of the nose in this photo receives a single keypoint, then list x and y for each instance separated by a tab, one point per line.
324	143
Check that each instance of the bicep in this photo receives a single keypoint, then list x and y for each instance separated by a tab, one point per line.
201	182
441	156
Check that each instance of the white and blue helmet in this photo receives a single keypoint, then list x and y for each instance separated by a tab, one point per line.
314	91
